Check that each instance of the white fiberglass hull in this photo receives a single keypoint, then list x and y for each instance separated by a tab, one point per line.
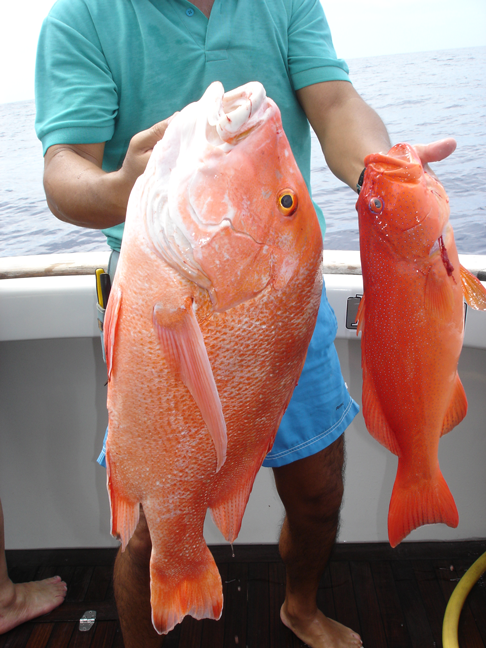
53	418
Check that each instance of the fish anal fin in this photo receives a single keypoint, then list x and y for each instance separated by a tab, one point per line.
125	514
414	504
228	513
109	326
182	344
227	506
360	316
457	409
196	591
375	420
473	289
439	291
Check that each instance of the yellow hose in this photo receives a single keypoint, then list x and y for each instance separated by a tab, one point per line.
458	596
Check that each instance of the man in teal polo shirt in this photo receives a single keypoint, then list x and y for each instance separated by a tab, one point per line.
109	75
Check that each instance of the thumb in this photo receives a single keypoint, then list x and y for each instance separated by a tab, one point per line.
157	131
147	139
436	151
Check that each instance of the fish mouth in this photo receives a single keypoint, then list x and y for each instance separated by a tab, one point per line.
234	114
401	164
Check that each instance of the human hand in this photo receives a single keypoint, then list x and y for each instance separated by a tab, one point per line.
140	150
435	152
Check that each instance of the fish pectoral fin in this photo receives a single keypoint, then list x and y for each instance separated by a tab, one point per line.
374	417
439	292
109	327
360	316
457	409
183	347
473	289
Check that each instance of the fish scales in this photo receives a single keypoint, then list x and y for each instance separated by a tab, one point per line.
412	323
210	315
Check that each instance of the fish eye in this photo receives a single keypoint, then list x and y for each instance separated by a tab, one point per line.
376	205
287	202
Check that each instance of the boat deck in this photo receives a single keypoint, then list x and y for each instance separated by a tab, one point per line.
393	598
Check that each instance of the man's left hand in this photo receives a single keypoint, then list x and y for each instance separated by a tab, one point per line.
435	152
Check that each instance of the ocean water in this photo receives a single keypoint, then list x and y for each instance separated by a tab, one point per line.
420	97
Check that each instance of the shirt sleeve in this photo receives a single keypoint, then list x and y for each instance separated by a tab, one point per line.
312	57
76	97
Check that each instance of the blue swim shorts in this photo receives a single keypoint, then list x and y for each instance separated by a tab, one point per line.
321	407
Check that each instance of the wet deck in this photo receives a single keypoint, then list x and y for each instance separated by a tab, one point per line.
393	598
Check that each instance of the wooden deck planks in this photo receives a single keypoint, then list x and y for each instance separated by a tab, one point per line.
393	598
372	628
61	634
391	612
344	596
417	623
236	604
258	628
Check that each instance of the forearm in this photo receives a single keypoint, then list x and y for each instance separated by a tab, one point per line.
347	128
355	132
78	191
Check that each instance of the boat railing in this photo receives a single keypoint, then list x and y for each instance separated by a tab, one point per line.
86	263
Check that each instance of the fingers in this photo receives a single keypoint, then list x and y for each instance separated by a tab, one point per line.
436	151
145	141
140	150
157	132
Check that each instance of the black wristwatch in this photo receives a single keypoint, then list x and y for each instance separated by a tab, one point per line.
360	181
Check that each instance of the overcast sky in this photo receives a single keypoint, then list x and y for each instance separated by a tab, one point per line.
369	28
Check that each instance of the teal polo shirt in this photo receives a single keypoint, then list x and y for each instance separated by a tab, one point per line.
107	69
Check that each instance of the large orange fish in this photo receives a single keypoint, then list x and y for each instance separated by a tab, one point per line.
412	323
213	306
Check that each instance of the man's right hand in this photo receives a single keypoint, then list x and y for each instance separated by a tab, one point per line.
78	191
140	150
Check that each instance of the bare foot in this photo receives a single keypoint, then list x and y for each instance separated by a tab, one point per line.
321	632
21	602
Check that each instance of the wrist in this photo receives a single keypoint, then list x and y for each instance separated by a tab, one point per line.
359	184
118	186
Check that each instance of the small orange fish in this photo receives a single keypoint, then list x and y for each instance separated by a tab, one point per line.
208	323
412	323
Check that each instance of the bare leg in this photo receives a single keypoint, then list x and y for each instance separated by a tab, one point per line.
132	590
311	490
21	602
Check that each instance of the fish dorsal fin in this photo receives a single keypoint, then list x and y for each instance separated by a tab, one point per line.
109	327
473	289
360	315
457	409
183	346
439	291
375	420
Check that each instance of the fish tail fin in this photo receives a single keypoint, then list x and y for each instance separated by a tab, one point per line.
125	514
413	505
197	592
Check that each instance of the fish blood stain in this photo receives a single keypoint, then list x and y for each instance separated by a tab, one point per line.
445	257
